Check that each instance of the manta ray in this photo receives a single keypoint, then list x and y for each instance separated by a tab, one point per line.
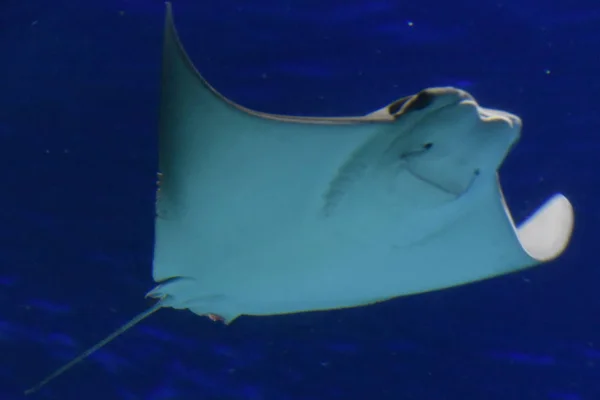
260	214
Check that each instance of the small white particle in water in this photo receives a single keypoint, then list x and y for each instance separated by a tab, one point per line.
410	23
47	151
548	72
34	23
264	75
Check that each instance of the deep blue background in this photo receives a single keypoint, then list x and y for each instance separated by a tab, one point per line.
79	93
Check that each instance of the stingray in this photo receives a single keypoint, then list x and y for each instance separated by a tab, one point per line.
260	214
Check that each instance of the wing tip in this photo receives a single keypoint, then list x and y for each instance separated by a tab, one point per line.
546	234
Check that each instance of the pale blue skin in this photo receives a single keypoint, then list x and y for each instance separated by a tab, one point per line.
262	214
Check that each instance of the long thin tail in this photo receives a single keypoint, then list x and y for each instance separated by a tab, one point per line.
97	346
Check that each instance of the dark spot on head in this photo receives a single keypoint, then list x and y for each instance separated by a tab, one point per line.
397	105
428	145
421	101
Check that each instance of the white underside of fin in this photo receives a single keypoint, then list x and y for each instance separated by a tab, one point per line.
546	234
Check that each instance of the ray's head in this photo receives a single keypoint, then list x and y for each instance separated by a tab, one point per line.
448	140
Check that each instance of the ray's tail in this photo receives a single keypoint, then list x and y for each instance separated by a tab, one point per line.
96	347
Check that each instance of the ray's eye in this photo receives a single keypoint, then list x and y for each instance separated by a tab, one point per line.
397	105
427	146
423	100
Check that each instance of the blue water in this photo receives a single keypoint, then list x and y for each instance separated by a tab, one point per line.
79	93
